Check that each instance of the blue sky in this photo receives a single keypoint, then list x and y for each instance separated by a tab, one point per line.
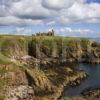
66	17
91	1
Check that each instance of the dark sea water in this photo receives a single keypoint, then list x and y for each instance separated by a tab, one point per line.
93	80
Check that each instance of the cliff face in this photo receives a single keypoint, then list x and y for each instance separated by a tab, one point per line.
32	83
13	48
60	48
25	80
65	49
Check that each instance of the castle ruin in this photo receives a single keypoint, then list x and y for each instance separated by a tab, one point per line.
50	33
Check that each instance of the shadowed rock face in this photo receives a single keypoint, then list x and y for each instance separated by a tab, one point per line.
42	83
91	94
66	51
88	94
62	49
49	83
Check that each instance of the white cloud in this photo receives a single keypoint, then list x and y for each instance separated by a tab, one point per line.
76	32
13	20
51	23
29	9
57	4
48	12
81	12
23	30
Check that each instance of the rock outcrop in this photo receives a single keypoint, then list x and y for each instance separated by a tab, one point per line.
48	84
21	92
59	49
40	83
91	94
32	69
82	50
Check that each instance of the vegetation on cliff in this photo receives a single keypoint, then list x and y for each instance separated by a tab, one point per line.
17	46
27	61
68	48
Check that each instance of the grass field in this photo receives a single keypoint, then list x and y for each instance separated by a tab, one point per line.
13	44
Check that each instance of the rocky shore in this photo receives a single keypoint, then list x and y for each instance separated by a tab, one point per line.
42	83
88	94
34	72
91	94
22	92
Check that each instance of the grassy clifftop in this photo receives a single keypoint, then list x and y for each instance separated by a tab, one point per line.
64	48
41	48
12	46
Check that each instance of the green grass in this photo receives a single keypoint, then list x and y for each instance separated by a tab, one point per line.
1	98
50	45
4	59
50	41
10	44
8	40
3	83
2	71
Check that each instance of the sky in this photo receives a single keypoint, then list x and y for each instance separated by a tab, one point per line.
79	18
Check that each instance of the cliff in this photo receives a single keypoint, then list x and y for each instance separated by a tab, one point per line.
30	66
63	49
